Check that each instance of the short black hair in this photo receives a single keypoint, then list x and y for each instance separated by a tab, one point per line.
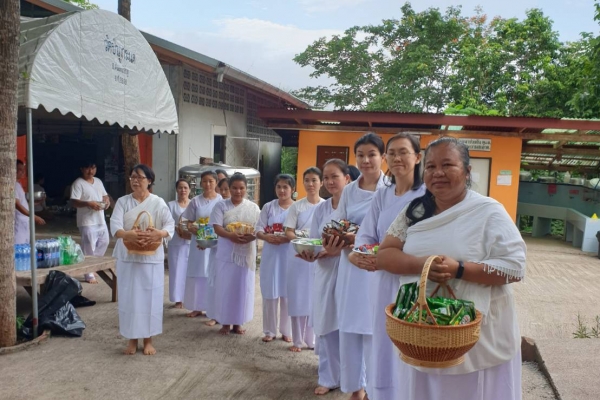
19	162
287	179
370	138
209	173
314	171
222	181
238	176
87	163
147	172
181	180
354	172
221	171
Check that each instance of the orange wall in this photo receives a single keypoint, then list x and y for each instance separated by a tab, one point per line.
505	154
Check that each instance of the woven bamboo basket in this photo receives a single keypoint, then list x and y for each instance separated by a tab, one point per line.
431	346
184	233
147	249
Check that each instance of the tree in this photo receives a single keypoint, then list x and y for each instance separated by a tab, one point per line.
131	144
9	57
433	61
85	4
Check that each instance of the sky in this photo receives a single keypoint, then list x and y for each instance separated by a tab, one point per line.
261	37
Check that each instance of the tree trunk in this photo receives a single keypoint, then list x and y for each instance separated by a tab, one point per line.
131	145
9	57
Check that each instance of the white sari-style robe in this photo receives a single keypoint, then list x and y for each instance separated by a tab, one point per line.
273	284
384	360
352	289
141	277
179	249
21	220
195	297
300	274
479	230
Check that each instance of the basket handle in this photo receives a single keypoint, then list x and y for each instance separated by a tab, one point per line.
421	303
137	220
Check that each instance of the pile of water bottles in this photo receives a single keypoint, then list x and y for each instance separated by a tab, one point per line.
47	254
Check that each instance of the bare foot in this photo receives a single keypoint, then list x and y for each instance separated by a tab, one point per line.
267	339
295	349
131	347
195	314
286	339
225	330
149	350
212	322
178	305
358	395
238	330
321	390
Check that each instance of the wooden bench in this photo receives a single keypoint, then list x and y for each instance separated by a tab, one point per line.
105	267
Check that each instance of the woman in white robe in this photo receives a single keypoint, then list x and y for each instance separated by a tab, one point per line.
22	209
324	311
275	253
179	245
481	252
235	259
141	277
201	206
223	190
300	273
403	158
352	288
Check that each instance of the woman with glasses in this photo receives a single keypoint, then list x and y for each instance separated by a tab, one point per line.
403	156
141	277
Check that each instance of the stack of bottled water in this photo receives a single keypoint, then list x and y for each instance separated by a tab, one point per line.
22	257
48	253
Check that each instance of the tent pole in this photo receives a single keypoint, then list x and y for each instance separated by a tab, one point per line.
33	258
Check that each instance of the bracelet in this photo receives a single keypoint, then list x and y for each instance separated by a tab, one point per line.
460	270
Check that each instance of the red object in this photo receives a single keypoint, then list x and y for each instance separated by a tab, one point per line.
551	188
277	227
573	191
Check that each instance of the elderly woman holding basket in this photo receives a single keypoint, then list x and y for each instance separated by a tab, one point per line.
141	276
482	253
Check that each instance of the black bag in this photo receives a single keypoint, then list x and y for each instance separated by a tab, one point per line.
55	312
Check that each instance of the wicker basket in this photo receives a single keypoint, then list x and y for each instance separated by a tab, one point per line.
431	346
183	233
147	249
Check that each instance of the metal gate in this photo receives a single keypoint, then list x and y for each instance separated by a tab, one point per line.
242	152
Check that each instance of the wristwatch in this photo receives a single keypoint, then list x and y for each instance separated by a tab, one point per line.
460	270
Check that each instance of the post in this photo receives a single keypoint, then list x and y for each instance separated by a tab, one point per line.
33	258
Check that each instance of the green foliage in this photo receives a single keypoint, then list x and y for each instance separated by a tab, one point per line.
289	160
435	61
582	331
20	322
85	4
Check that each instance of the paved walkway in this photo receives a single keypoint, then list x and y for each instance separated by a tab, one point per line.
562	282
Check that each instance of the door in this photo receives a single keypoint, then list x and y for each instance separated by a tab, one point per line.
325	153
480	175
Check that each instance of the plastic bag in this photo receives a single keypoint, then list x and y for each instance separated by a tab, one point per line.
70	251
55	312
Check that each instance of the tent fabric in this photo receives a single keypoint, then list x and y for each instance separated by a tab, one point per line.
94	64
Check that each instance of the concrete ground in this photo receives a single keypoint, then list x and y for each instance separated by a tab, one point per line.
194	362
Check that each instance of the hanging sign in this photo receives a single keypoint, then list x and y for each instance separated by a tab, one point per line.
477	144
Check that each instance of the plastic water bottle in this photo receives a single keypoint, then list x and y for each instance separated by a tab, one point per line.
17	258
56	252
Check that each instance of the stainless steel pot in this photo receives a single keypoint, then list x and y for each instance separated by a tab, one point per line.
547	179
37	195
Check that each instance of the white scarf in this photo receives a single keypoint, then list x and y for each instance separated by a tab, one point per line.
483	234
247	212
152	205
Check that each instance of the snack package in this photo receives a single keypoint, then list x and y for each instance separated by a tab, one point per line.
368	248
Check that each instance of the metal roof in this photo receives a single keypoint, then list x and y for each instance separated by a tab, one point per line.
186	54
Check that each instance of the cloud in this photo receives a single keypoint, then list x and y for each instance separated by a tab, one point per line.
315	6
260	48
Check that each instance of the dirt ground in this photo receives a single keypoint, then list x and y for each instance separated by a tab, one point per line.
193	362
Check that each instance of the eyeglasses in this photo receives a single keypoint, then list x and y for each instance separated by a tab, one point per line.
136	178
402	154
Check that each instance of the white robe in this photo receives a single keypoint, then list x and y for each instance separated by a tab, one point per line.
300	274
196	283
141	277
479	230
273	284
21	220
384	361
234	284
179	249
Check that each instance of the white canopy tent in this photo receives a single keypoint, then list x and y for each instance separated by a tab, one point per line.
96	65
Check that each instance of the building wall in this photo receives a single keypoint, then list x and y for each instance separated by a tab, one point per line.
505	154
